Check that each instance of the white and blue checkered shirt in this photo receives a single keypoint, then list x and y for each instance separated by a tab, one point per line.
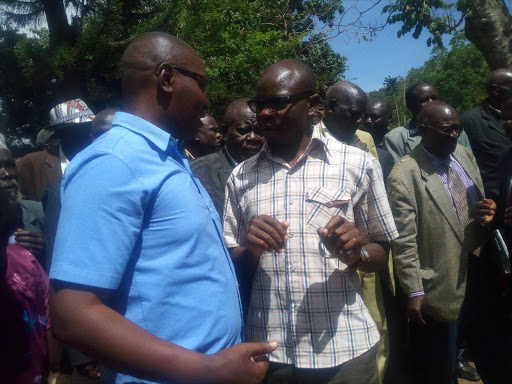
311	305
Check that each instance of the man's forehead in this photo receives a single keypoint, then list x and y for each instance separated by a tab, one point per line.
281	81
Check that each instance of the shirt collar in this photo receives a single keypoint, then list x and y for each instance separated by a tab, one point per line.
231	159
151	132
317	142
437	159
323	131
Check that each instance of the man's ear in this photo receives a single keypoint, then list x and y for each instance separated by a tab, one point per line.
314	102
166	77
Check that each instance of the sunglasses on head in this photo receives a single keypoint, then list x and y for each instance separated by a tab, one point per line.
276	103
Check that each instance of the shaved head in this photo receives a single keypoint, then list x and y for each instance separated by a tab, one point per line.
345	104
142	57
346	91
234	110
440	127
293	73
163	82
498	77
381	105
434	111
498	84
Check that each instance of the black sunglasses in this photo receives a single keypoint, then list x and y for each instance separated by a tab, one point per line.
201	80
276	103
448	130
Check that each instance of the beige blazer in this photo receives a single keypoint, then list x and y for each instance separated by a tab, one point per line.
432	251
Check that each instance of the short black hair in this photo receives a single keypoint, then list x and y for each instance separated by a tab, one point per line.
409	93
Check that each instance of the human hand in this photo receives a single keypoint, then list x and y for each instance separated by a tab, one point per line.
266	234
485	210
342	239
243	363
414	309
508	216
31	241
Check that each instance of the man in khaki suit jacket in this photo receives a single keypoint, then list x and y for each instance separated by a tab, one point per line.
436	237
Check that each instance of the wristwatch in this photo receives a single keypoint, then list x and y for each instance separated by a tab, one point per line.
365	257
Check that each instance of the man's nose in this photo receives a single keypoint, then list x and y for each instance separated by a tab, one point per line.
5	173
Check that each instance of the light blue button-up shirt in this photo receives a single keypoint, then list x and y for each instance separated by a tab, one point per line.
135	220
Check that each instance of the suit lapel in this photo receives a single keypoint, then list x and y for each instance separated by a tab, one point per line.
437	192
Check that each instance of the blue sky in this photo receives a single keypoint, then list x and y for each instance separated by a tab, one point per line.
369	63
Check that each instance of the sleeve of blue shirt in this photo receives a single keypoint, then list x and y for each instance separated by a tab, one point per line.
100	223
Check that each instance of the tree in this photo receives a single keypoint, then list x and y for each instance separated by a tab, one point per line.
488	24
458	73
391	88
236	39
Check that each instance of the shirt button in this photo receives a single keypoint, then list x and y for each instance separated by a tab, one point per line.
295	307
291	202
292	269
290	235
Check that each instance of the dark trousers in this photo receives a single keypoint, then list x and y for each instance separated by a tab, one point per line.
433	352
361	370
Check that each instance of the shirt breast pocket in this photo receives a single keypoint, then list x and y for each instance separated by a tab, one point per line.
323	203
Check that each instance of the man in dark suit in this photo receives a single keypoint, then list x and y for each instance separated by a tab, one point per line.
436	194
243	140
485	131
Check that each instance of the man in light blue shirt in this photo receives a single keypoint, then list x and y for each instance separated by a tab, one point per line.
139	232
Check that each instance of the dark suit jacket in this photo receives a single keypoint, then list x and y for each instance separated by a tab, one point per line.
213	172
489	143
36	172
386	162
51	205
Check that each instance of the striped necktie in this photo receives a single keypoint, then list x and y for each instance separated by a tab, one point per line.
460	197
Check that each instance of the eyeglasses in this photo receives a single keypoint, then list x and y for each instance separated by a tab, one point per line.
201	80
448	131
276	103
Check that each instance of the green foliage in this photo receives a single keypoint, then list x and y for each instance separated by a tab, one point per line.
457	73
437	16
236	39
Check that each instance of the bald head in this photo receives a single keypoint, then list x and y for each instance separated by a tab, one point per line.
144	54
498	77
440	127
235	110
292	74
345	104
433	112
498	84
345	91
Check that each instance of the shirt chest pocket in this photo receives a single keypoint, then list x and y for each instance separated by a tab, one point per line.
323	203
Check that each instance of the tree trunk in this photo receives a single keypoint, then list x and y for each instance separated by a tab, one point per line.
490	28
397	113
57	22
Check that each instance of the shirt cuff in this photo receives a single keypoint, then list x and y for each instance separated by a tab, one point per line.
415	294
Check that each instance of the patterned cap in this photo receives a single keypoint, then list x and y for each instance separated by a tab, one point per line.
70	112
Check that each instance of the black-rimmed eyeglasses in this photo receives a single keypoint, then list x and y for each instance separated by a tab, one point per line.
448	131
201	80
276	103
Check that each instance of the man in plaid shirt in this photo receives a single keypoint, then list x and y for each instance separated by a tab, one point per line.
301	218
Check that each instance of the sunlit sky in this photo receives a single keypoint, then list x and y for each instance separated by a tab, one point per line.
369	63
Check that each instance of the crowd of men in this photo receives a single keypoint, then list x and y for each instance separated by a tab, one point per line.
300	241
